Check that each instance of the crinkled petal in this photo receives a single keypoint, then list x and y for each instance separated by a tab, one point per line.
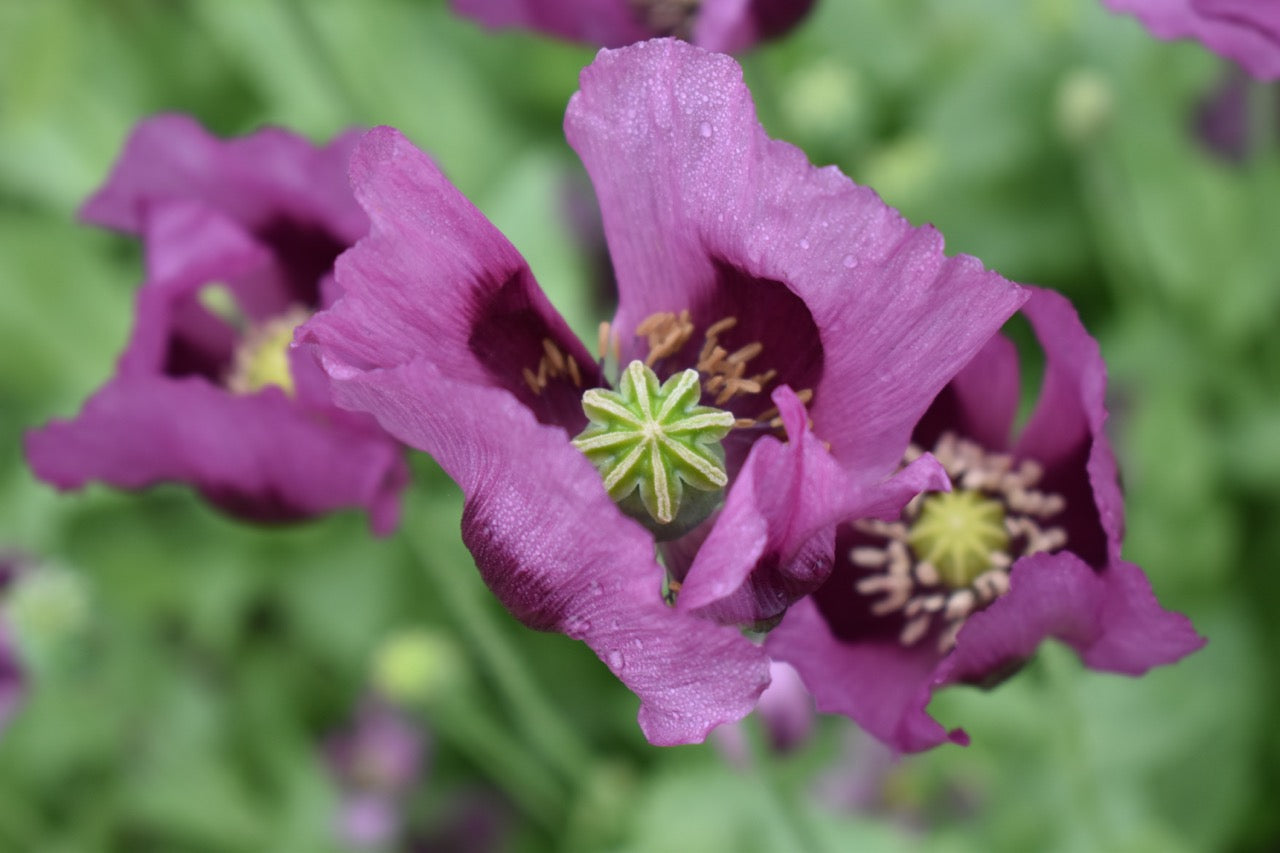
1260	15
1243	30
774	540
1110	617
256	180
883	686
558	553
258	456
607	23
1068	427
703	211
434	279
724	25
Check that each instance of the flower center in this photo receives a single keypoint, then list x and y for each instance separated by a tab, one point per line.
950	553
668	17
262	358
958	532
657	449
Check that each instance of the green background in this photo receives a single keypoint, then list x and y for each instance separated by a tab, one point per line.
186	668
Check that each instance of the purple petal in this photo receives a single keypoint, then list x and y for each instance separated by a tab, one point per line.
773	541
1111	618
723	25
1243	30
1067	430
558	553
256	456
883	686
980	402
257	180
1260	15
703	211
434	279
608	23
732	25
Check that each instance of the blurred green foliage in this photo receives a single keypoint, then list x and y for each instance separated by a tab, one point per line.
184	705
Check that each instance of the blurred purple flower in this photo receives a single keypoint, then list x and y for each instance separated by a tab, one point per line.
786	711
730	250
908	609
723	25
376	762
1247	31
12	678
211	394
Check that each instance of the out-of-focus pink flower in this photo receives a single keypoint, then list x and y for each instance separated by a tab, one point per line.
1247	31
209	394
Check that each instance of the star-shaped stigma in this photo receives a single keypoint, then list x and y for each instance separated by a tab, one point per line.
651	441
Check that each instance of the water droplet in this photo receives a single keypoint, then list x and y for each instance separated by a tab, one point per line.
849	262
705	130
615	660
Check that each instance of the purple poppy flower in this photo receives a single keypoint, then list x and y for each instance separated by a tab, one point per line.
209	393
743	273
913	606
1247	31
376	762
724	25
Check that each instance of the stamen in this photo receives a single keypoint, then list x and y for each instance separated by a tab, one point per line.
602	340
950	553
554	356
667	334
553	365
726	372
531	380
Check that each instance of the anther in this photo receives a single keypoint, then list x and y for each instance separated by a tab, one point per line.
745	354
531	380
602	340
950	553
554	356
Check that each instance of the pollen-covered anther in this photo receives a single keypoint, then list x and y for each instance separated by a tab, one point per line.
657	449
552	365
726	372
950	553
666	333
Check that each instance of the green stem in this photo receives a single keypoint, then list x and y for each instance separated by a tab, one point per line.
538	720
800	836
324	59
504	760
